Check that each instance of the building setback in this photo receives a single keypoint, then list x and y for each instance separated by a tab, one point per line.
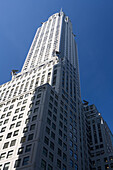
43	123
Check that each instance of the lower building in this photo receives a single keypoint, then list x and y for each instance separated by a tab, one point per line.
99	140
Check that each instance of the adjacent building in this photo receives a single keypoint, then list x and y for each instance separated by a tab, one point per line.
99	140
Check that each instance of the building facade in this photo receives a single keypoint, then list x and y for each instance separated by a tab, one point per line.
99	140
40	105
43	124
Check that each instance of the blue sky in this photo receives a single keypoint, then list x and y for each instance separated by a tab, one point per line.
92	22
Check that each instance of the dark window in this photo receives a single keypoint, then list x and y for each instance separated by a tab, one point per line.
28	148
50	167
6	166
6	145
25	160
59	152
45	151
53	126
48	121
13	142
58	163
16	133
52	145
23	139
54	118
17	163
52	135
32	127
49	113
43	164
9	135
30	137
46	140
34	118
47	130
50	156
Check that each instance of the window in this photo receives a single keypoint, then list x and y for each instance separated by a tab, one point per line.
25	160
8	114
53	126
12	126
18	124
20	150
3	129
13	142
28	148
50	156
54	118
49	113
50	167
45	151
76	167
30	137
2	116
1	123
25	129
17	110
75	156
59	141
25	101
11	107
64	157
52	145
37	102
46	140
14	118
58	163
20	116
23	108
43	164
36	110
17	163
64	167
64	147
23	139
32	127
6	121
65	137
10	153
9	135
71	163
6	145
52	135
47	130
34	118
0	167
71	152
1	138
75	147
48	121
59	152
2	156
27	121
6	166
16	133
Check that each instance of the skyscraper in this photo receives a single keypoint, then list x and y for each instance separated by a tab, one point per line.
40	105
43	123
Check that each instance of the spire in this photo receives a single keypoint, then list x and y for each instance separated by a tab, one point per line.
60	10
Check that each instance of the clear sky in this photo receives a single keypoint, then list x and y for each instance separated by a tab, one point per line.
92	22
